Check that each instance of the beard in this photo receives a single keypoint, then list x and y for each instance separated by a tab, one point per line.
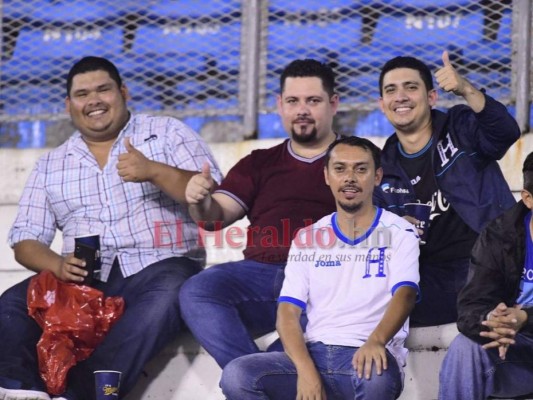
350	208
304	136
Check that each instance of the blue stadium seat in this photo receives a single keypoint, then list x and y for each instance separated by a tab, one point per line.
180	94
34	99
157	66
189	58
164	55
45	55
24	134
284	36
195	123
286	42
203	94
284	6
458	28
496	83
144	97
423	4
179	9
487	55
190	49
358	87
490	79
319	9
373	124
213	39
32	134
365	58
506	29
68	12
277	61
269	126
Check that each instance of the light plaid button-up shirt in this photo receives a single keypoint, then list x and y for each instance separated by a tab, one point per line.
137	222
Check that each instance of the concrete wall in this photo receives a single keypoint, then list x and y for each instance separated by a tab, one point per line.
184	371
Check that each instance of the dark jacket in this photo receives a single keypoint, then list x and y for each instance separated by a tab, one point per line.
498	258
464	151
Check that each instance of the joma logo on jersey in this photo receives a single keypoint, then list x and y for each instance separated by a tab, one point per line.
328	264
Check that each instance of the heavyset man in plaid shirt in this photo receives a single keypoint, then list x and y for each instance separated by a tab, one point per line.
123	177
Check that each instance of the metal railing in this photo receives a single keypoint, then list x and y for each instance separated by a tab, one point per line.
220	60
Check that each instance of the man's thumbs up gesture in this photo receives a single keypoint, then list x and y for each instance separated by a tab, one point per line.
448	78
133	166
200	186
450	81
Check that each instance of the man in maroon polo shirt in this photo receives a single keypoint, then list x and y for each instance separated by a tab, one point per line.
280	190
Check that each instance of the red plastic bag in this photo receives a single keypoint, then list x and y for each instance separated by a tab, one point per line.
74	318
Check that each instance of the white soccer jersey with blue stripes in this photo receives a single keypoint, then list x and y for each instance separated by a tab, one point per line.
346	285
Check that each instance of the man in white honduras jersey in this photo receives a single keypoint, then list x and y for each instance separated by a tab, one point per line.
355	273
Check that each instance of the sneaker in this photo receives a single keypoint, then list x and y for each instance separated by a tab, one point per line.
19	394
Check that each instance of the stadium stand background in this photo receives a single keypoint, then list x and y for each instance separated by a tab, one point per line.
215	63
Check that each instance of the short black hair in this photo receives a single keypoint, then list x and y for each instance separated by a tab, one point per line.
89	64
309	68
407	62
527	171
356	141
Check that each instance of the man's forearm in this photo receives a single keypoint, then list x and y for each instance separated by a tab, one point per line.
208	215
474	97
399	308
291	335
36	256
216	211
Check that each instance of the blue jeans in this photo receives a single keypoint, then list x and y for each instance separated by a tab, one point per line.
151	319
227	305
471	372
273	376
